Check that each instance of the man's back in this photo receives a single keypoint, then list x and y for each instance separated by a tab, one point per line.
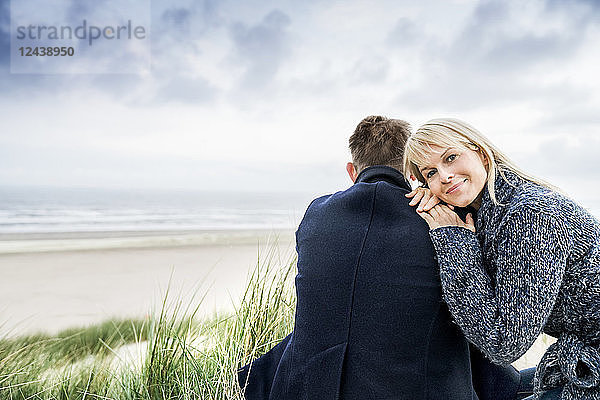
368	290
370	321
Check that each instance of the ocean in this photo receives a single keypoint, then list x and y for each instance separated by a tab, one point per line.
39	210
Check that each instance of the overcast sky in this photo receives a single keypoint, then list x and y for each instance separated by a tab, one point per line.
262	95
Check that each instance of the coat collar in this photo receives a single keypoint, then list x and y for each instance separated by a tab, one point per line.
490	213
384	173
505	184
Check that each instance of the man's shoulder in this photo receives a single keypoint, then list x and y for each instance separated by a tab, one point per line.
354	190
380	200
359	193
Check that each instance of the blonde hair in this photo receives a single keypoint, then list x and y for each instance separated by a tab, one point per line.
449	132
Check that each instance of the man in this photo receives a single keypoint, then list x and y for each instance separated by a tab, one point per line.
370	322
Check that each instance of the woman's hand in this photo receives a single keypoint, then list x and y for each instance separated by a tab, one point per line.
442	215
424	198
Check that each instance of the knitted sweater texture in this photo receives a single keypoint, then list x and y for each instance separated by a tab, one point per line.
533	265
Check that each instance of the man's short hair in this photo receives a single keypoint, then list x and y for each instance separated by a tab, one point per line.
379	140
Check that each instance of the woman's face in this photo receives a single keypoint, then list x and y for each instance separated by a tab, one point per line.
456	176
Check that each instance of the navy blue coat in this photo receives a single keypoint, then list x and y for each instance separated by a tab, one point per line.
370	321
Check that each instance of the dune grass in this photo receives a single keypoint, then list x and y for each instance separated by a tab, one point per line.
181	356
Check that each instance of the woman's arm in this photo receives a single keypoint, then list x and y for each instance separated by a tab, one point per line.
504	318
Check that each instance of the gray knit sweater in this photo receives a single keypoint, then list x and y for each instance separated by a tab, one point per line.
533	265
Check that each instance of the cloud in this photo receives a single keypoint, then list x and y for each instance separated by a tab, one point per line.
186	90
496	39
177	18
57	165
176	31
276	77
193	20
370	69
78	10
4	34
261	48
177	28
504	52
17	86
573	115
568	163
585	7
490	12
405	33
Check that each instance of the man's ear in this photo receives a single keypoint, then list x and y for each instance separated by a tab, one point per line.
351	171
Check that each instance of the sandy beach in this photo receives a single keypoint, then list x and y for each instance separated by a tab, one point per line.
52	282
57	281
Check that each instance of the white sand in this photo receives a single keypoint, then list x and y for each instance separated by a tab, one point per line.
53	290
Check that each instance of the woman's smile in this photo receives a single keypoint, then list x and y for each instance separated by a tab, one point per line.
456	187
456	176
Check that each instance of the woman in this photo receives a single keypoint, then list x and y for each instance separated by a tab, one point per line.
530	262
